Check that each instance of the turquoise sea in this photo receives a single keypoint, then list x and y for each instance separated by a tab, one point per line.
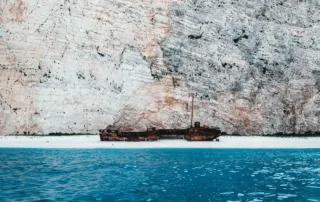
160	175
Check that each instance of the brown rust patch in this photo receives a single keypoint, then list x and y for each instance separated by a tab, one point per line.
17	9
238	115
156	28
246	121
146	114
170	101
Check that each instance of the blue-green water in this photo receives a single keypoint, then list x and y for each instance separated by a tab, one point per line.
159	175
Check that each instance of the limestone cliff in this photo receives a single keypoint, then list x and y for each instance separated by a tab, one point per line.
74	66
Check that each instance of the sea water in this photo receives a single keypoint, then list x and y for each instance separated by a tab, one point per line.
159	175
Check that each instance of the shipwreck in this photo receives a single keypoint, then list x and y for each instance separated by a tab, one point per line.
195	132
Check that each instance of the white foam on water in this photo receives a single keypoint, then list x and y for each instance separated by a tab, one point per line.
316	170
227	193
307	179
263	171
286	195
270	195
195	168
257	193
289	178
313	187
233	171
256	200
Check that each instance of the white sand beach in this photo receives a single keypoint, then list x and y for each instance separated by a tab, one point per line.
93	141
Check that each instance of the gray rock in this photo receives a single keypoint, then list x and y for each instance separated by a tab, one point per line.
253	66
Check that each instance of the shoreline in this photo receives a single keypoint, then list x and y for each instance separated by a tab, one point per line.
93	142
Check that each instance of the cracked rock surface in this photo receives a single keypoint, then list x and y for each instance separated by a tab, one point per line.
253	66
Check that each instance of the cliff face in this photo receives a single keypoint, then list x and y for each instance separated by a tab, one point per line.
77	66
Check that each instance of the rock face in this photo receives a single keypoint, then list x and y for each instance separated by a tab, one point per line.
253	66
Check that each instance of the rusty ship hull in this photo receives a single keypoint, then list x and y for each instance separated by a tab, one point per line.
196	133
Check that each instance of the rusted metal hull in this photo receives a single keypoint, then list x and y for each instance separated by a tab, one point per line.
115	135
196	133
106	138
200	138
191	134
202	134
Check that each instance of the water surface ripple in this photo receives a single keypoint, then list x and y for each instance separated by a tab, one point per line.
160	175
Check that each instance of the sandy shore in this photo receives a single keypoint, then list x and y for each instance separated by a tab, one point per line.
93	141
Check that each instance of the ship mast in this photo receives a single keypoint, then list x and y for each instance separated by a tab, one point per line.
192	112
